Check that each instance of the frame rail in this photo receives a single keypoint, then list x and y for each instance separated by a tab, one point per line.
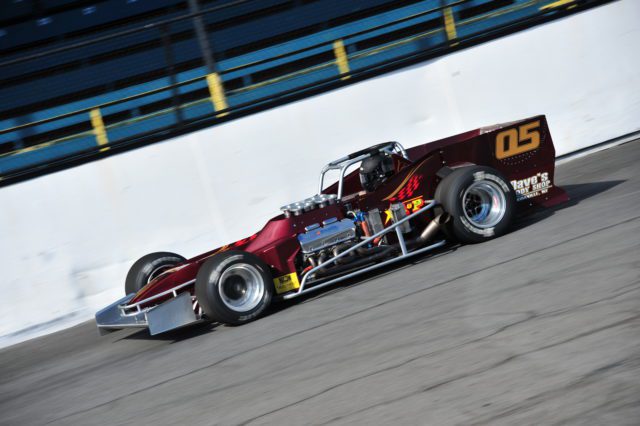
405	254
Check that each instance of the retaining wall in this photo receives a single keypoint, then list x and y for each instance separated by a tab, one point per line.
69	238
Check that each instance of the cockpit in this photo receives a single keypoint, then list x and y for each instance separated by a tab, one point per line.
375	164
376	167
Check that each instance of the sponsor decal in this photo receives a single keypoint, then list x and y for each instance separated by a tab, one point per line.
533	186
286	283
410	206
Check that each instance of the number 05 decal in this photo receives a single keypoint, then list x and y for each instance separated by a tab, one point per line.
516	141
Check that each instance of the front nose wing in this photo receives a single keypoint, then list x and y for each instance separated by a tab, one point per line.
112	318
174	313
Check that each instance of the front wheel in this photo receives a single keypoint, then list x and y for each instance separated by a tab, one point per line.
480	201
234	287
149	267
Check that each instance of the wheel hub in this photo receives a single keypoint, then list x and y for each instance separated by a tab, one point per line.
484	204
241	287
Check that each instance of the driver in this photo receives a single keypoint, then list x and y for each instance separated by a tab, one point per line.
375	170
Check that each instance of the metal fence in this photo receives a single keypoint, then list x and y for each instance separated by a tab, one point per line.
176	81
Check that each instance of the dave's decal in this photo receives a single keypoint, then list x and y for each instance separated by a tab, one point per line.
533	186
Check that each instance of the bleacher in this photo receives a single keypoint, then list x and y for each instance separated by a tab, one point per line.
83	79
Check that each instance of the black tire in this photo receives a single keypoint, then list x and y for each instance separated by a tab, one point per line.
234	287
149	267
489	198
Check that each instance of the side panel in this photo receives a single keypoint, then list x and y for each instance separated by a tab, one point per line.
523	151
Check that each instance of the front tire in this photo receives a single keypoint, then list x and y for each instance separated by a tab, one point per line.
149	267
481	203
234	287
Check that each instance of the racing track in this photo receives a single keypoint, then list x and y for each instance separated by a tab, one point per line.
541	326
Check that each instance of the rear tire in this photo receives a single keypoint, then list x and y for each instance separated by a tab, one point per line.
149	267
481	203
234	287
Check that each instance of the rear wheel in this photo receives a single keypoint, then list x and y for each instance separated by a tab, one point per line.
234	287
149	267
480	201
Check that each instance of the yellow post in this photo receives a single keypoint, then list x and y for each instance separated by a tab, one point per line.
450	25
342	60
216	90
98	128
559	3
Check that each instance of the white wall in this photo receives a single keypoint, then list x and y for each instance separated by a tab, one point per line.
69	238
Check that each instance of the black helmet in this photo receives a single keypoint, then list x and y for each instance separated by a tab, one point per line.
375	170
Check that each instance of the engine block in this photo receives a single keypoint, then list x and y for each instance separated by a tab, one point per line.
331	233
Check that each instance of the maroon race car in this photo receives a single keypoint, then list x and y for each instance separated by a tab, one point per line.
397	203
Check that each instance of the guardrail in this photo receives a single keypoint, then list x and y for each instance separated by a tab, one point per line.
102	129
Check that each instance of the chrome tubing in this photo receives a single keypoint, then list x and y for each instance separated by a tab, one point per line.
399	148
342	165
137	305
343	170
367	269
403	245
393	227
403	152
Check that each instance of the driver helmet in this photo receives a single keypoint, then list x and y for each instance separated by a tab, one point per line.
375	170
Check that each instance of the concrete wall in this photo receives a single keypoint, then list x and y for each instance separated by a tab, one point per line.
69	238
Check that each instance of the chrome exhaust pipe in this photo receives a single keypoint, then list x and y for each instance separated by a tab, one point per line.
433	227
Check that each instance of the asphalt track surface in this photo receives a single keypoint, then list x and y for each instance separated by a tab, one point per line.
541	326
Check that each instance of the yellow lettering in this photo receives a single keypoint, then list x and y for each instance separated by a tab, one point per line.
512	142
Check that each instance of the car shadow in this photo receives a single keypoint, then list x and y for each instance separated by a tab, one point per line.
581	191
176	335
577	193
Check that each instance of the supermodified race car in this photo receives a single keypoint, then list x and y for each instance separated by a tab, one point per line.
397	203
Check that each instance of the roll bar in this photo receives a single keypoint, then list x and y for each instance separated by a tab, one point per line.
343	163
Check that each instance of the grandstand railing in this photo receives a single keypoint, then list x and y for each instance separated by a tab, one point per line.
303	66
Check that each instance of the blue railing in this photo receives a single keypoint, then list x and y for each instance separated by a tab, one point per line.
186	94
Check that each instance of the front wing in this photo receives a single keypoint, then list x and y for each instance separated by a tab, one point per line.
174	313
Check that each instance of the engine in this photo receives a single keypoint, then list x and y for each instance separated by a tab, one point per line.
331	233
320	242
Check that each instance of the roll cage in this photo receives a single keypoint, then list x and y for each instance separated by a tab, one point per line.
342	164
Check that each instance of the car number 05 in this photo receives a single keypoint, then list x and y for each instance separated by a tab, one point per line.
517	141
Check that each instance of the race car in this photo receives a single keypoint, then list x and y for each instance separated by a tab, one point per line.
388	203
